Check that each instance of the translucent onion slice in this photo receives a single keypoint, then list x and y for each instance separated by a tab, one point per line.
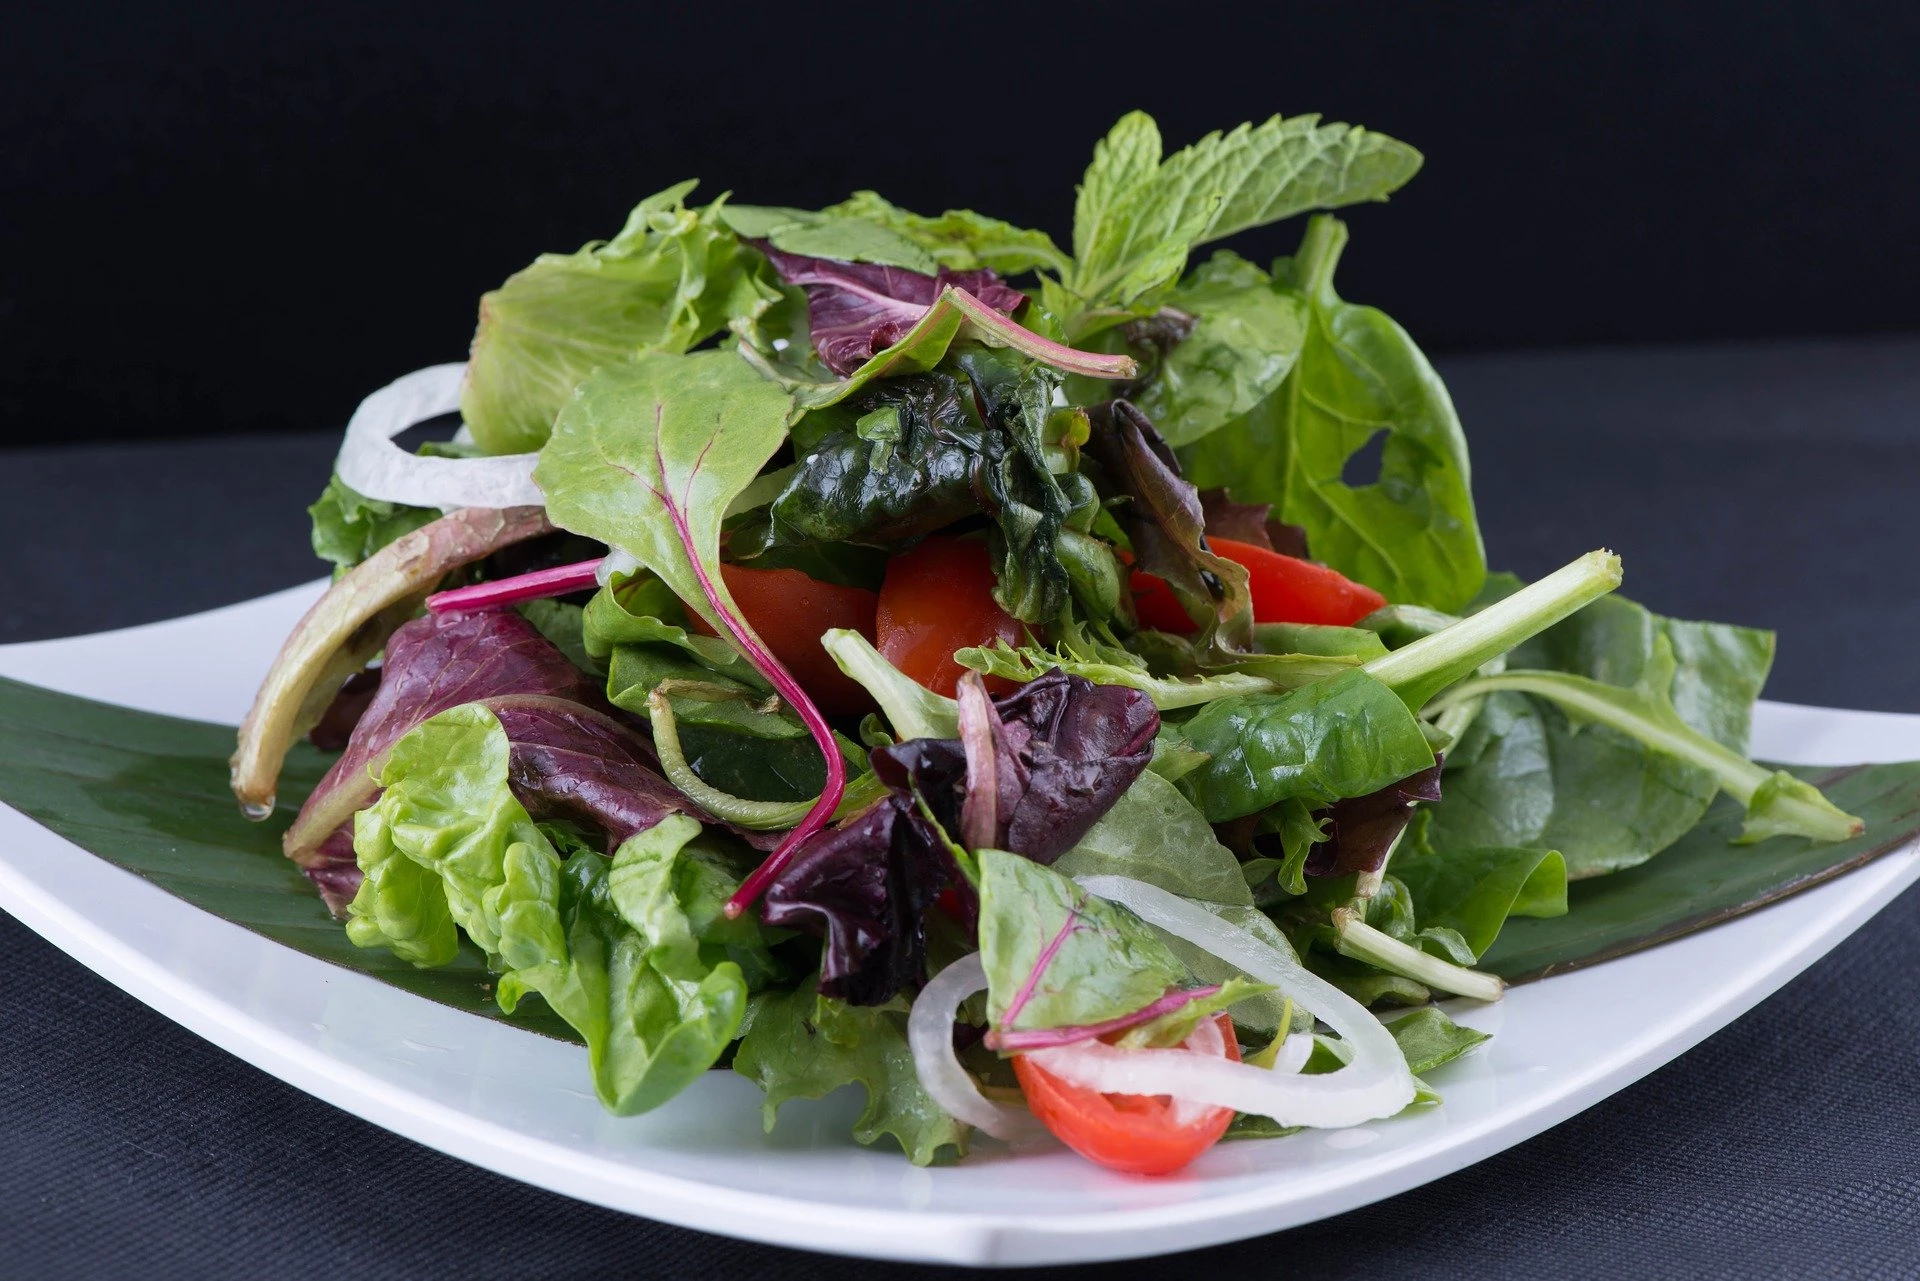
930	1037
1375	1082
370	463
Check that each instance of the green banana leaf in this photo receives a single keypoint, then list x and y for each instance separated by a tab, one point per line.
1703	878
148	793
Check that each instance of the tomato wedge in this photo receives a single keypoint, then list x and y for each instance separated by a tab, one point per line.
1132	1133
1285	589
938	598
790	611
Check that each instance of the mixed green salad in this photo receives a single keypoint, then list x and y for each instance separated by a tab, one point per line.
1057	691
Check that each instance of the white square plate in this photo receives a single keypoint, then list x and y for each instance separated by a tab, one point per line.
520	1104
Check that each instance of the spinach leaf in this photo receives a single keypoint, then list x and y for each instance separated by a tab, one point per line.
1411	533
1606	799
1245	338
673	277
1154	834
613	953
1428	1039
1474	891
1343	737
800	1045
1137	215
1055	956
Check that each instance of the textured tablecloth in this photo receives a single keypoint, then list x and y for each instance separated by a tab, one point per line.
1771	485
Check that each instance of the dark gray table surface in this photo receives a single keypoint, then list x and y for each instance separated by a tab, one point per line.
1773	485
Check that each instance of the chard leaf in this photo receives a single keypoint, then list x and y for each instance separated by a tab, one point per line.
959	239
800	1045
1137	216
448	845
1341	737
672	278
1245	338
1055	956
1410	534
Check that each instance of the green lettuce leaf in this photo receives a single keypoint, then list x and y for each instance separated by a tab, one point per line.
672	278
801	1045
633	952
348	526
866	227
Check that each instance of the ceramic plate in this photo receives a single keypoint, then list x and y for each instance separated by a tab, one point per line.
520	1104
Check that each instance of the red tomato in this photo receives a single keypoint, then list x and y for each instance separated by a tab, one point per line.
936	599
790	612
1285	589
1132	1133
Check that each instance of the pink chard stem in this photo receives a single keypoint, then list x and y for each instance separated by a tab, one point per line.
1047	1037
562	580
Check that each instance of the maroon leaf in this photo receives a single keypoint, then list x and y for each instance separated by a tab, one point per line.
1250	523
858	309
1361	829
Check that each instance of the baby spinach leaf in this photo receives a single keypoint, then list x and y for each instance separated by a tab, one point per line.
1429	1039
1246	336
1342	737
800	1045
1055	956
1474	891
1411	533
673	277
1604	797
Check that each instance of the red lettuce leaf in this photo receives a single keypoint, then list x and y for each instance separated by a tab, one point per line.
1251	523
1362	829
857	309
1063	750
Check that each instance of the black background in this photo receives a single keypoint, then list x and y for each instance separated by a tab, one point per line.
223	218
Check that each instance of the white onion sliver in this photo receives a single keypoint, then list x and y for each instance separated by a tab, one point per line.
930	1037
1375	1083
370	463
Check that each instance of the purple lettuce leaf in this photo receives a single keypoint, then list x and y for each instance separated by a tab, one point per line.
857	309
1058	753
1251	523
1362	829
1064	750
432	663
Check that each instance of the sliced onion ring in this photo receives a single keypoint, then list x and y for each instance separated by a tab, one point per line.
1374	1083
370	463
930	1037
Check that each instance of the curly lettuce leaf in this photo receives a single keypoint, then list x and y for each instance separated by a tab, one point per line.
348	526
801	1045
609	944
672	278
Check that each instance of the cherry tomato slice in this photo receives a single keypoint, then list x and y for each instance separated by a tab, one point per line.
938	598
790	611
1285	589
1132	1133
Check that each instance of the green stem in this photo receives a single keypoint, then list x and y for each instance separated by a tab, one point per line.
1422	669
1739	777
1319	254
756	816
1355	938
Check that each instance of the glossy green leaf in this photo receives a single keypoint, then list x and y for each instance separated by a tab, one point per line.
1707	877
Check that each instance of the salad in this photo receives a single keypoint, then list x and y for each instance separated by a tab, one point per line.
1057	691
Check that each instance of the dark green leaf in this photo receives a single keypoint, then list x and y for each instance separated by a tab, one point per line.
1342	737
1704	877
1475	890
1428	1038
